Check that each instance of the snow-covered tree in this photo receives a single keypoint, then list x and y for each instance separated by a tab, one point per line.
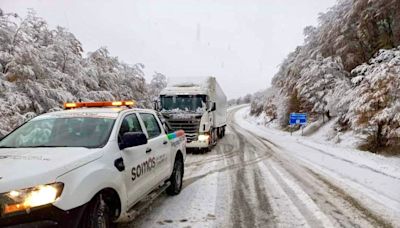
257	102
319	79
157	83
41	68
375	98
328	76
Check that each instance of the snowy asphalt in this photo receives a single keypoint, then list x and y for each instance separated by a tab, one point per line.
245	181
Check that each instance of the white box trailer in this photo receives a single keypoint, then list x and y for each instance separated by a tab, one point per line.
218	96
198	106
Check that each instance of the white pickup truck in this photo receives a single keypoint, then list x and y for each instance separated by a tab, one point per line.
87	166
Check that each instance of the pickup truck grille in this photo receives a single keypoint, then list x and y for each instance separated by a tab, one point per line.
191	127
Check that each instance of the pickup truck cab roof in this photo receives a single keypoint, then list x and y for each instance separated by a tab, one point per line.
95	111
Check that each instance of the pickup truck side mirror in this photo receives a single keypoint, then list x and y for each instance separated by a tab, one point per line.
213	107
131	139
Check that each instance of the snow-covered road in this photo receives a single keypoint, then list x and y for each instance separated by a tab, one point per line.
256	177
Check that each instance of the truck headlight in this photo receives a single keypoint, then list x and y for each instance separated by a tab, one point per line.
203	137
26	199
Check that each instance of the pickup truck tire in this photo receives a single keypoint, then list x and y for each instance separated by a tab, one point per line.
176	178
97	214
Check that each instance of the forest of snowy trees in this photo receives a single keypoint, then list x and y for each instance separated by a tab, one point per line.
348	69
40	68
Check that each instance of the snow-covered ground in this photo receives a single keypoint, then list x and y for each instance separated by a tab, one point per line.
200	201
262	177
363	173
322	140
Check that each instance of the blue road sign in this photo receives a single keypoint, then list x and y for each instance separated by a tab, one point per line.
298	118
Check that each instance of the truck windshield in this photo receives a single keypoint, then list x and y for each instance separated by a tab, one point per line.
195	103
61	132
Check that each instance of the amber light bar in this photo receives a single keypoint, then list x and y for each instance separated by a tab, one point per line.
71	105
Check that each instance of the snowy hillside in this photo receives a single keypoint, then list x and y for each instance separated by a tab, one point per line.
348	69
40	68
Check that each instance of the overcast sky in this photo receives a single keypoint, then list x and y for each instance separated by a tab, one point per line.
241	42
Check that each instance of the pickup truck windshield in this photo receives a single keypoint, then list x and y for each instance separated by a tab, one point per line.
195	103
61	132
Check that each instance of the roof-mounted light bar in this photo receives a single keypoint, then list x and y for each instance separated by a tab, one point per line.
71	105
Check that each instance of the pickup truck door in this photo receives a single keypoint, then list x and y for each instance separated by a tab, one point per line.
159	147
136	162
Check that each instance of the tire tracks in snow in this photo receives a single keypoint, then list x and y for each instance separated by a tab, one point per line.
249	199
259	185
327	199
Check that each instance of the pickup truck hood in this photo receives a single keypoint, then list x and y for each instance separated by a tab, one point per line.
27	167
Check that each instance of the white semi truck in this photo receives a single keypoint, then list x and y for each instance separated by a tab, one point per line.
198	106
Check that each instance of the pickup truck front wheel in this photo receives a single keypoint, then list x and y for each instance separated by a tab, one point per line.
97	214
176	178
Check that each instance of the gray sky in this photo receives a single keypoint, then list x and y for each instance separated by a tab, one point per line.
241	42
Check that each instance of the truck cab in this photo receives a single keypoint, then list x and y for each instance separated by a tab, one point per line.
68	167
186	110
198	107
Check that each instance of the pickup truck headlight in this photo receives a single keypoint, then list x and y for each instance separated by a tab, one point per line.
25	199
203	137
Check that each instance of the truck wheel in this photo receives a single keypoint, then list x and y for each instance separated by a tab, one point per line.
176	178
214	137
219	132
97	214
